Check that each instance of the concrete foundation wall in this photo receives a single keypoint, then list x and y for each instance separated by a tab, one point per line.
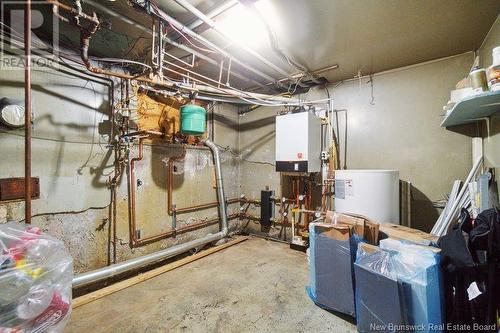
73	163
394	124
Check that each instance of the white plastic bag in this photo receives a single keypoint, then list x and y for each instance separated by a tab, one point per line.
35	280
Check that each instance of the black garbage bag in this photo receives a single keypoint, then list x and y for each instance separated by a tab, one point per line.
470	256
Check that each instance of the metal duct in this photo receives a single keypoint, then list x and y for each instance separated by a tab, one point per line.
116	269
221	197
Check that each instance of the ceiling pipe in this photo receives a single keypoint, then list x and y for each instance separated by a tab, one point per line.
171	41
213	13
212	25
161	14
85	36
136	263
300	75
225	99
220	84
85	44
88	32
73	11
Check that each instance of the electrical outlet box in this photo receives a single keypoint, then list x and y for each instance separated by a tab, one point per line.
298	142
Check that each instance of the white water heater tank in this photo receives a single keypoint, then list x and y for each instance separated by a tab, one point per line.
372	193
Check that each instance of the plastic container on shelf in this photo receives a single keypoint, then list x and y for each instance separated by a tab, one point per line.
478	80
496	56
493	72
35	280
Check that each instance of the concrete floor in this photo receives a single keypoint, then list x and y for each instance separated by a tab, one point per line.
254	286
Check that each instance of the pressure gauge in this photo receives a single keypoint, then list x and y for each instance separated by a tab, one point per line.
11	113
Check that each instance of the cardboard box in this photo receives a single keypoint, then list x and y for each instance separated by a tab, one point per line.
405	233
363	226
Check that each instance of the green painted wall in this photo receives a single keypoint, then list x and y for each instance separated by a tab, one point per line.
396	128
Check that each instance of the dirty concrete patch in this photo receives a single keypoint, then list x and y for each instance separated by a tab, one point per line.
255	286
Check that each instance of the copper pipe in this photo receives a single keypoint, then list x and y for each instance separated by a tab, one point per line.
249	217
74	11
139	133
170	181
85	35
252	201
284	223
117	171
181	230
134	241
27	112
110	227
170	174
84	54
132	189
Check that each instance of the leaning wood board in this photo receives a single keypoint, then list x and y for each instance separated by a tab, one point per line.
85	299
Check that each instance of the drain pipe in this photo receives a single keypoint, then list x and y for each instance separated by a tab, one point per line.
135	263
221	197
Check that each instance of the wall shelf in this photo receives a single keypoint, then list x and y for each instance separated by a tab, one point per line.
472	109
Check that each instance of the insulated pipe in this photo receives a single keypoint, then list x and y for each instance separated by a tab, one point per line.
125	266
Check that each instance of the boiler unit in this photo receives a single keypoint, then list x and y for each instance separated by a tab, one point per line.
298	137
372	193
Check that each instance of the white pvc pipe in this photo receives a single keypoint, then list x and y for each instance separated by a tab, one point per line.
459	201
